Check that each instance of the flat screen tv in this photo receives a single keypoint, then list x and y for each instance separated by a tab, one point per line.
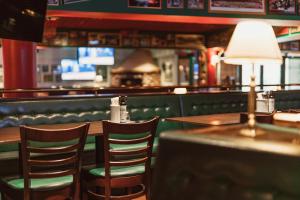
72	70
22	19
96	56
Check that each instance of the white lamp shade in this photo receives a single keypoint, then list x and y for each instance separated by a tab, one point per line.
253	42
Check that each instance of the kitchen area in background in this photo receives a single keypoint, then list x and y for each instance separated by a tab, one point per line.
104	67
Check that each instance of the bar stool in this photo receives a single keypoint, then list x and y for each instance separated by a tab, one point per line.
127	168
51	164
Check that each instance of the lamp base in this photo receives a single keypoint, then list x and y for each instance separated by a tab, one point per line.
248	132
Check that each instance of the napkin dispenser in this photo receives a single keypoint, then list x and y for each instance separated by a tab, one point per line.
265	102
115	110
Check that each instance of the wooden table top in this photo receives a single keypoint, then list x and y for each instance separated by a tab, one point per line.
210	120
12	134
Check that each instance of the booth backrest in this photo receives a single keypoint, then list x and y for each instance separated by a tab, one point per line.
53	111
146	107
212	103
287	100
142	107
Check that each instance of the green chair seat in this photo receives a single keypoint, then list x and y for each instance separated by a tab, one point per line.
119	171
122	147
41	183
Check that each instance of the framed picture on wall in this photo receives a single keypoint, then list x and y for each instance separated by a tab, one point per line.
282	6
53	2
237	6
195	4
156	4
175	3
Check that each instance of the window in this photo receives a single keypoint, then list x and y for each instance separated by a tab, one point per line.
292	73
271	76
246	75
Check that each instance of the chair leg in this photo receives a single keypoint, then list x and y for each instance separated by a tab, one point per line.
148	185
107	192
83	191
148	195
4	196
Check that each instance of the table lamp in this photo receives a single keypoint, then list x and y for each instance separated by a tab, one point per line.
252	42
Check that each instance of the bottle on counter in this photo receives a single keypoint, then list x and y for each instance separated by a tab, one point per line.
123	109
271	100
265	102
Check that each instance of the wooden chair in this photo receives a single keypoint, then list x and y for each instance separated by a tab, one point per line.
128	168
47	170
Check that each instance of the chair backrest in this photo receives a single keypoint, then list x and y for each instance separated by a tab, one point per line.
128	134
41	160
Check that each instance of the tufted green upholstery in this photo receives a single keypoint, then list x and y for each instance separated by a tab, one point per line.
287	100
53	111
212	103
146	107
40	183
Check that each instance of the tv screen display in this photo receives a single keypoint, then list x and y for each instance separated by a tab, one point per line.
96	56
73	1
72	70
22	19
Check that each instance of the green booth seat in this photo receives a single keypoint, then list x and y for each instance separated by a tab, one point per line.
8	147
